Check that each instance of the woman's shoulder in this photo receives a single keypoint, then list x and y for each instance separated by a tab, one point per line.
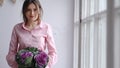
18	25
45	24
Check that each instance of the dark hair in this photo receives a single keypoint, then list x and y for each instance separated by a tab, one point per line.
25	6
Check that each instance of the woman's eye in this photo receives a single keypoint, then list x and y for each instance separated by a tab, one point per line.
28	10
35	9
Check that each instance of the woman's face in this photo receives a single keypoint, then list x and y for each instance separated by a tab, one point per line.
32	13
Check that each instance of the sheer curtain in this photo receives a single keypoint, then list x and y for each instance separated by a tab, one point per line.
93	34
76	57
116	33
99	34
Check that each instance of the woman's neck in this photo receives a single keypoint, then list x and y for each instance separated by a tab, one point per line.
31	25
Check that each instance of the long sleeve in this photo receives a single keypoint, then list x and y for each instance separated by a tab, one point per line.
51	48
12	50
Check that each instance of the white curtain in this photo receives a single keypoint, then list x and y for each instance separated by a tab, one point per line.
117	34
98	31
76	57
93	33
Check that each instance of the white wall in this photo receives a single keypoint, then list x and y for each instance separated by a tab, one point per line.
58	13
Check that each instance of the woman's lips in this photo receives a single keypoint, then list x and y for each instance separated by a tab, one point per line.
31	16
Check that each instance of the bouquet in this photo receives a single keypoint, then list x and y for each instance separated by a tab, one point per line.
31	57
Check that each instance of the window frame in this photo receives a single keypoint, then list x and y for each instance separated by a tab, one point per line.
76	50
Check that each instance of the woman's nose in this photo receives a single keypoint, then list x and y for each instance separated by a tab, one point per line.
32	12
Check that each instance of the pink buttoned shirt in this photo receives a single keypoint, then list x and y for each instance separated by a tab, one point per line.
40	37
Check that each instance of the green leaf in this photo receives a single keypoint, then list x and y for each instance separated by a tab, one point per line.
28	61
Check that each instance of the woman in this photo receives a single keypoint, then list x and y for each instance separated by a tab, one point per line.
31	33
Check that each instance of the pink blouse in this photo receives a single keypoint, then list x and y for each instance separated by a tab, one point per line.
40	37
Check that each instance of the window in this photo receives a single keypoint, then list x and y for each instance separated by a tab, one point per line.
93	34
97	36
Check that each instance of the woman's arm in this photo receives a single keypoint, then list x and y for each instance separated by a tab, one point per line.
51	47
12	50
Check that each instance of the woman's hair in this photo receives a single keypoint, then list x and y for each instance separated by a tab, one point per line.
25	7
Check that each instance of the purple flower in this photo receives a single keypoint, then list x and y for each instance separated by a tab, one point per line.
41	59
25	55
